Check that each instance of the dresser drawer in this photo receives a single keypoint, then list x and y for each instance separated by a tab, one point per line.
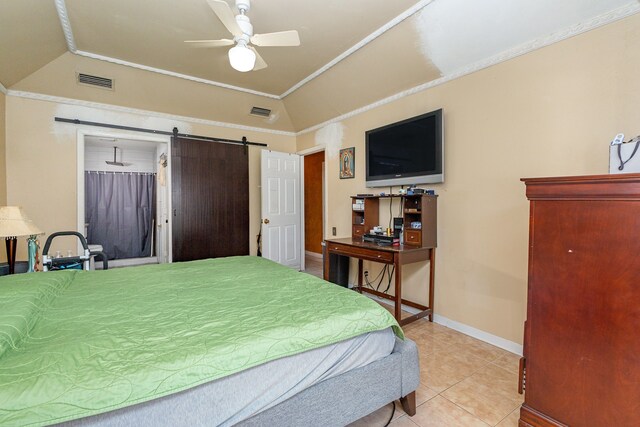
413	237
364	253
357	231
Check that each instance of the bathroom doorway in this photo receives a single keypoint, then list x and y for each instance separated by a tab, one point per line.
124	200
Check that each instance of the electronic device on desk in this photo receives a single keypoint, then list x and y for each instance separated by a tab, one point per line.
412	190
381	239
397	226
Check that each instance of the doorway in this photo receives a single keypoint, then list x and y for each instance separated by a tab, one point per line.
123	187
314	206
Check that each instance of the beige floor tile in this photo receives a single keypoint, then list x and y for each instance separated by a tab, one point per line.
403	421
511	420
377	418
490	394
479	349
509	361
442	369
423	393
426	343
439	412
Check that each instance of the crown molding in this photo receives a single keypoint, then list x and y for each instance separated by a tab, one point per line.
362	43
583	27
71	46
116	108
3	89
61	8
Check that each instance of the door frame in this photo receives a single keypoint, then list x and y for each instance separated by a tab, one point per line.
159	139
302	153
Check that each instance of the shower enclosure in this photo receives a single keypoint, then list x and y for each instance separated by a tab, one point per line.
120	192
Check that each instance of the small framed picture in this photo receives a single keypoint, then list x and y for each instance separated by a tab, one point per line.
347	163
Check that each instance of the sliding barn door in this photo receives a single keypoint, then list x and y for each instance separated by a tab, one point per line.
210	197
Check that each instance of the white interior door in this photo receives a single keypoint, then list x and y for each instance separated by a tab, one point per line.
281	208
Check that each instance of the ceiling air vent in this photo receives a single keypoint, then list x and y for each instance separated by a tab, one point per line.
260	112
102	82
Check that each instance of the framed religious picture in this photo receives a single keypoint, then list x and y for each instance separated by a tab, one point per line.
347	163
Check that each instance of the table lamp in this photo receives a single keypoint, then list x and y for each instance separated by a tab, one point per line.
13	224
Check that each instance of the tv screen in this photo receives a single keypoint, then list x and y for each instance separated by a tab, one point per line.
407	152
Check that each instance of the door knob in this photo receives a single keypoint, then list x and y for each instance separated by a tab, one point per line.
266	220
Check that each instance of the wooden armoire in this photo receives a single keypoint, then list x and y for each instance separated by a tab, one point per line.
582	331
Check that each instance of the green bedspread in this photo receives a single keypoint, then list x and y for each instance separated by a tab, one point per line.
73	343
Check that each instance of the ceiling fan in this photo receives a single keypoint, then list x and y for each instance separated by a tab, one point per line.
244	57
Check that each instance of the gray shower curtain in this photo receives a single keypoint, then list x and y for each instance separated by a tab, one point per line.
119	211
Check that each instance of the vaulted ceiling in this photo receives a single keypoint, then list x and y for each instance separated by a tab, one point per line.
353	53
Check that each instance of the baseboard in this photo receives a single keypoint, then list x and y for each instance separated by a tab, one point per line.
494	340
128	262
313	254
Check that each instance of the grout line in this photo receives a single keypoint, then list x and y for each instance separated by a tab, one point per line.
473	415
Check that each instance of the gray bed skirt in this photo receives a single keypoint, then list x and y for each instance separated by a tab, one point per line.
335	402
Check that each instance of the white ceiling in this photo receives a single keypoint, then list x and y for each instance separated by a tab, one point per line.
352	54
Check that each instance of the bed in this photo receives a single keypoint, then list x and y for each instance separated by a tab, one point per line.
238	340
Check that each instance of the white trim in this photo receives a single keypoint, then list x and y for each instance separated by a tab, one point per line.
362	43
80	149
495	340
303	261
174	74
110	107
129	262
61	8
599	21
3	89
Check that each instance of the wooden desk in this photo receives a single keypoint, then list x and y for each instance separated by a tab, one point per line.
393	255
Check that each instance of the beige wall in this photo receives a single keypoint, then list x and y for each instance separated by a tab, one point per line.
42	163
3	165
551	112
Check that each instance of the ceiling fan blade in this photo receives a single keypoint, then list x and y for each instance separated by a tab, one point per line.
210	43
260	64
226	16
281	38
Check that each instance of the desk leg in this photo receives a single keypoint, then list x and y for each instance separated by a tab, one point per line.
325	267
398	273
432	276
360	269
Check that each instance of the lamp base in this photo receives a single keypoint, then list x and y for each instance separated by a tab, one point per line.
11	244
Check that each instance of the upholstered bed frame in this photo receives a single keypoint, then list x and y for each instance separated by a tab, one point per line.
335	402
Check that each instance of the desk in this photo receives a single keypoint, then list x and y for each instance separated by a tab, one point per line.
393	255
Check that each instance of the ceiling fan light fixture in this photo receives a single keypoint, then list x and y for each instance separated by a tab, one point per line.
242	58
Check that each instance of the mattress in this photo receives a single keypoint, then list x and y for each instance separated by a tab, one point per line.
237	397
75	344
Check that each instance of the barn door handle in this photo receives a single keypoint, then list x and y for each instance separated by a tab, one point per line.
174	212
266	221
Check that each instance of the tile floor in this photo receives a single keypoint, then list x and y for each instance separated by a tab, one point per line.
463	381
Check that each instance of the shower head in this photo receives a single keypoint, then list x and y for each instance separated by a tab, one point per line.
114	162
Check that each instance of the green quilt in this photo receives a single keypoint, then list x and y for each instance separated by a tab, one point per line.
74	344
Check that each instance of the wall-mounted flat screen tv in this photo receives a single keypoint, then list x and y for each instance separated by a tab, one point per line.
406	152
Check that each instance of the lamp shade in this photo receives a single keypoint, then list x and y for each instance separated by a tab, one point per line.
242	58
14	223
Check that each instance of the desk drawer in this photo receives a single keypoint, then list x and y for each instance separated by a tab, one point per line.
413	237
357	230
364	253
